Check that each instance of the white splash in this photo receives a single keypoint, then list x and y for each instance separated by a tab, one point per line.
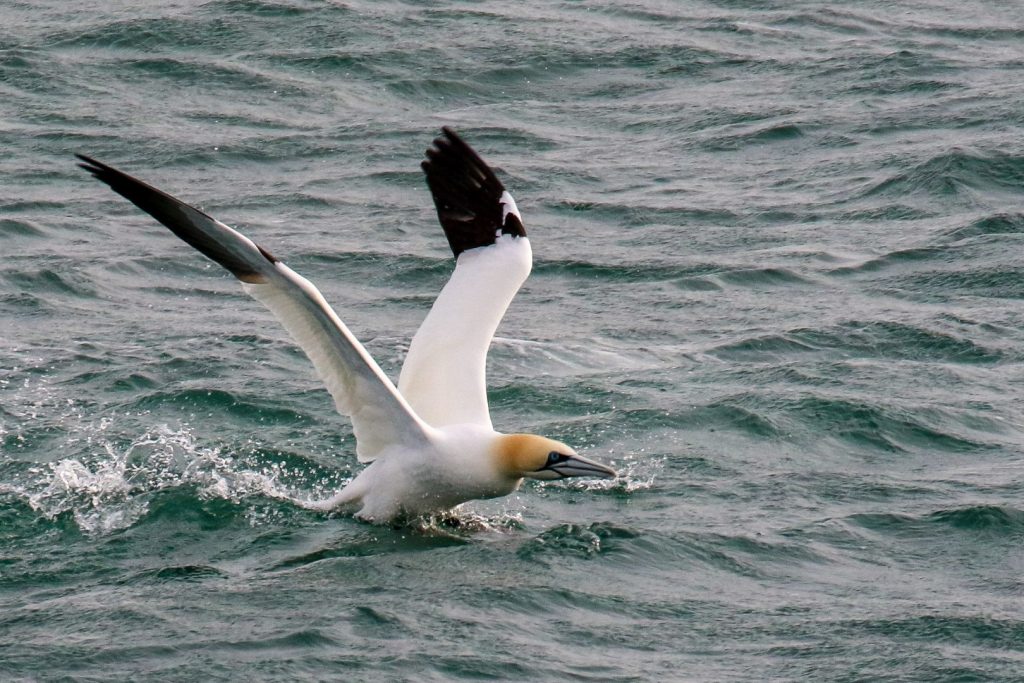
113	489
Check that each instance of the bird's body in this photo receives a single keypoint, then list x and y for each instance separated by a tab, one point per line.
458	466
429	443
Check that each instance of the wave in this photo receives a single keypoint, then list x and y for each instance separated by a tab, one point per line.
994	282
692	277
738	555
10	228
954	173
894	258
754	135
728	414
878	427
641	215
896	340
876	339
264	410
49	281
755	278
957	630
995	224
996	520
638	272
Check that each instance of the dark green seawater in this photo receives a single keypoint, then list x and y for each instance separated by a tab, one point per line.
779	283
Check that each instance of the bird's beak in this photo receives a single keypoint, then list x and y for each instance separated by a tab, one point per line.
575	466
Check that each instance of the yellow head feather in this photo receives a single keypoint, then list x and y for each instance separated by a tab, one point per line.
518	454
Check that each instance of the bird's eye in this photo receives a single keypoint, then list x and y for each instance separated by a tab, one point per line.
553	457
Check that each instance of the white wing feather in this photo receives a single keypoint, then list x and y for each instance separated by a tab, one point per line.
361	390
444	375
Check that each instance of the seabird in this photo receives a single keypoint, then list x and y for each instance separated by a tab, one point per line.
429	443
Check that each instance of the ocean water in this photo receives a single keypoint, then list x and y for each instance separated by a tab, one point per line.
778	283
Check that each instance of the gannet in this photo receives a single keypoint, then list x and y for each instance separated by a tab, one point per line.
429	443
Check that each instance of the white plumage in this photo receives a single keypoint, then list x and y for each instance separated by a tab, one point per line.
443	377
429	443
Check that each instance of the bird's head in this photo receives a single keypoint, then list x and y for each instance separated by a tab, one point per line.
537	457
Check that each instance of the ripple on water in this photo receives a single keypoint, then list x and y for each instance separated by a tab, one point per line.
895	258
638	272
995	224
185	72
756	278
994	282
644	215
177	573
754	135
11	227
1004	521
265	410
875	339
969	626
895	340
742	555
951	174
874	427
994	518
51	282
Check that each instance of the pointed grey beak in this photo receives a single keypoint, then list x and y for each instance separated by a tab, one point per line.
578	466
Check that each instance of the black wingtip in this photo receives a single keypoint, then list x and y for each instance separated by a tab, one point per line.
451	134
192	225
89	164
467	195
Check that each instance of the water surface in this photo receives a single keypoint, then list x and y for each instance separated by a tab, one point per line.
778	284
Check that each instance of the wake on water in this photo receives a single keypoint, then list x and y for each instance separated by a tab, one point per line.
113	488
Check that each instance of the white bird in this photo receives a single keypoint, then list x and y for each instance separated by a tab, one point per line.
429	442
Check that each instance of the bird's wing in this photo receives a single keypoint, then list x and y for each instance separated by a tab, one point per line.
361	390
443	377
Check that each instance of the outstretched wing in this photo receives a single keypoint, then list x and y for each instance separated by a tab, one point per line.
444	375
361	390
